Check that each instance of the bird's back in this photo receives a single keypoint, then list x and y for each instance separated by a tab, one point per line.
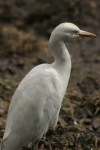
34	107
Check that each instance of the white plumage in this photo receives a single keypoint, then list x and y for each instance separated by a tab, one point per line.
36	103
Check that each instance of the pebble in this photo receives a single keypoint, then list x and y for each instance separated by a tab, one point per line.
86	147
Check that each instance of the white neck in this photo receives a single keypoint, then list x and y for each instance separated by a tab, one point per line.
59	51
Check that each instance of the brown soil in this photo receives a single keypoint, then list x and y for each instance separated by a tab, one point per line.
25	27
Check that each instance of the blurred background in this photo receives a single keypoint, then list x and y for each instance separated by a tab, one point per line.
25	28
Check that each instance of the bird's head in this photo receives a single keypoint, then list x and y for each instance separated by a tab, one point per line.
69	30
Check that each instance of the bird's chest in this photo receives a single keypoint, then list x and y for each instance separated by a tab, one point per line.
56	85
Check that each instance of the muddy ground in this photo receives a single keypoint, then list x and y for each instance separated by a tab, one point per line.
25	27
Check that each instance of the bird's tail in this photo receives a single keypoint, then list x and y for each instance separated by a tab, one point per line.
2	147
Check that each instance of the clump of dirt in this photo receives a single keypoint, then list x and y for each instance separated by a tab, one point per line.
90	87
14	41
23	50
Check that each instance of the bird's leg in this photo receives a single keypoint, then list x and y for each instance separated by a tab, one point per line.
35	145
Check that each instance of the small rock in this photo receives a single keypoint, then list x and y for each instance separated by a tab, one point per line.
70	144
2	112
86	147
96	123
46	145
89	128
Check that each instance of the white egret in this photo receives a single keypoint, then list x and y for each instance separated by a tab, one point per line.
36	103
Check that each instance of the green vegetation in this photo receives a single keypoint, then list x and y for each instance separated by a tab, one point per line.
8	85
81	75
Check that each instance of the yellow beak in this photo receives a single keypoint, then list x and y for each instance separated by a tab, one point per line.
86	34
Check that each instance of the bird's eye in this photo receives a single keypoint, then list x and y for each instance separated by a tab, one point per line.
75	32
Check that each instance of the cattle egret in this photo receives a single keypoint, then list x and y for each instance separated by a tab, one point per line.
36	102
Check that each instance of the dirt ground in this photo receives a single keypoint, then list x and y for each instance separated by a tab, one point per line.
25	28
